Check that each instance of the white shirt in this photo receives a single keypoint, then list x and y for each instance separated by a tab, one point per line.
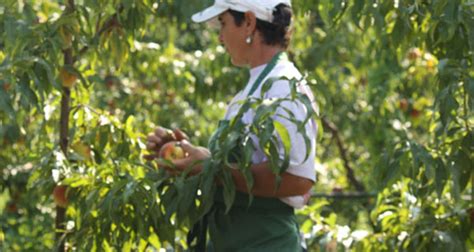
298	150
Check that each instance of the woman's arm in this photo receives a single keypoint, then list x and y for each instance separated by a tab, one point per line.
264	179
265	182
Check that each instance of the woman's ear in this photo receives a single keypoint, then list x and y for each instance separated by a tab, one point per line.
250	23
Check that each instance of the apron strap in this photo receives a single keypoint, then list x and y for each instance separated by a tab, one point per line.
281	56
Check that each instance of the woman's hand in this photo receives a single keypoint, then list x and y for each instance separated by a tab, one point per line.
194	156
161	136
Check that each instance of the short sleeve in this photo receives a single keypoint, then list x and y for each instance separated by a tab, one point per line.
301	154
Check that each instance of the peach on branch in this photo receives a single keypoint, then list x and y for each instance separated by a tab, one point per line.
83	150
6	86
11	207
60	195
415	113
67	77
403	104
414	54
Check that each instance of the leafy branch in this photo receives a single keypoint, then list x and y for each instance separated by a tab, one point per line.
343	151
101	29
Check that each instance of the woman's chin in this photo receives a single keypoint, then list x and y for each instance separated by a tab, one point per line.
237	63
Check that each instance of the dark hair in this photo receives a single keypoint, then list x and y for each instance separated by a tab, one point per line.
275	33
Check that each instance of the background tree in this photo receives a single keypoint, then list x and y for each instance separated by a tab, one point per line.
394	80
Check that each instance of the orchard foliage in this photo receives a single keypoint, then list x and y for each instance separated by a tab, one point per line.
394	81
404	70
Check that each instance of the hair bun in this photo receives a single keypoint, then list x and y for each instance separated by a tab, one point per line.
282	15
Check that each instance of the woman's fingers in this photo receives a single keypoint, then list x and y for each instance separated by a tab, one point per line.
195	152
153	143
160	131
154	138
188	147
159	137
189	164
180	135
183	163
162	135
165	134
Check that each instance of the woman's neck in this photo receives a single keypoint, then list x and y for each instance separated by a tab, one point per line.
262	55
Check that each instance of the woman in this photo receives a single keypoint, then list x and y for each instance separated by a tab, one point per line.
256	33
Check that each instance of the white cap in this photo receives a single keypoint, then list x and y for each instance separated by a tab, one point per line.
263	9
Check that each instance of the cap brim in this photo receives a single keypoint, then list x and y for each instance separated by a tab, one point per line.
208	14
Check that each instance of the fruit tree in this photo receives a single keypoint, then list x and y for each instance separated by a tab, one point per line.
83	81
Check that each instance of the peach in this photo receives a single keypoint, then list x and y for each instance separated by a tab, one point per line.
403	104
172	151
60	195
67	78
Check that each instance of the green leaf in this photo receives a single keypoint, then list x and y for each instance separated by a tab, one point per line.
469	89
447	106
246	164
168	199
440	177
398	32
28	95
129	191
439	7
356	11
284	135
421	156
129	129
464	164
5	104
49	70
76	181
187	195
229	189
154	241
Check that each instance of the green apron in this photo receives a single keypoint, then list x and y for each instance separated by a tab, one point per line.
267	224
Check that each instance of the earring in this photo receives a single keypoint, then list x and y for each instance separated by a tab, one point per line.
248	40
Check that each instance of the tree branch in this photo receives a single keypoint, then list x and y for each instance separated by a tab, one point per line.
60	221
108	25
342	150
342	196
